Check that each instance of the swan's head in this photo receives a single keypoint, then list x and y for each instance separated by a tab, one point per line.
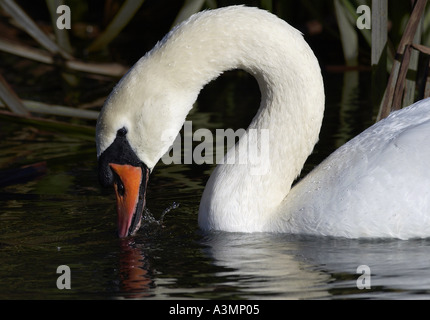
120	167
136	126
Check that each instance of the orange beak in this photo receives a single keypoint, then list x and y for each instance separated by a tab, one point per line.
128	200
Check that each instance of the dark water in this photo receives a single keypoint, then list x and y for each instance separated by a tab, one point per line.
63	217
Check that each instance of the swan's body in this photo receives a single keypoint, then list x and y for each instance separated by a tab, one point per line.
374	186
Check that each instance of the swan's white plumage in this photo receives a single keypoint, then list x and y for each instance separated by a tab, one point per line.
374	186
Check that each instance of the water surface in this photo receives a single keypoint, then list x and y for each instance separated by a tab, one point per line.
63	217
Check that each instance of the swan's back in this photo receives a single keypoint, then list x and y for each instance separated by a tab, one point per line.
376	185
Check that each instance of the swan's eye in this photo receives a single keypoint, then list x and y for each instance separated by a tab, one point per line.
120	188
119	185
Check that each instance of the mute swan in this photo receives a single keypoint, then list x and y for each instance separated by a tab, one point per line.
376	185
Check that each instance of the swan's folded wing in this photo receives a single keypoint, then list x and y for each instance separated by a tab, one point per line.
376	185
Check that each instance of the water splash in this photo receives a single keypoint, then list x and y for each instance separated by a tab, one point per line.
148	217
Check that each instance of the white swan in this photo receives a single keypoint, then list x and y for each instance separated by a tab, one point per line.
377	185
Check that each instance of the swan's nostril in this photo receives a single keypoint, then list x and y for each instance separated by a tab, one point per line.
121	132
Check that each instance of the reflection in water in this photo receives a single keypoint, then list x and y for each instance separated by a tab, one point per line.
275	266
286	266
135	279
265	266
399	269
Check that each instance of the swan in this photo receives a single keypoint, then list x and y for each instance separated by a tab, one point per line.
374	186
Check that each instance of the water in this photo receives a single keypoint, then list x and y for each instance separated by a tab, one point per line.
63	217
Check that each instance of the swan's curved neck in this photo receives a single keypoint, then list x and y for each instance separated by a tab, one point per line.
242	196
291	110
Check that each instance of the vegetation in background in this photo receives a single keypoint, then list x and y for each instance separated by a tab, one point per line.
57	76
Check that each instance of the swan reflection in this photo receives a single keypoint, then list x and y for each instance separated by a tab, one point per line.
302	267
135	278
